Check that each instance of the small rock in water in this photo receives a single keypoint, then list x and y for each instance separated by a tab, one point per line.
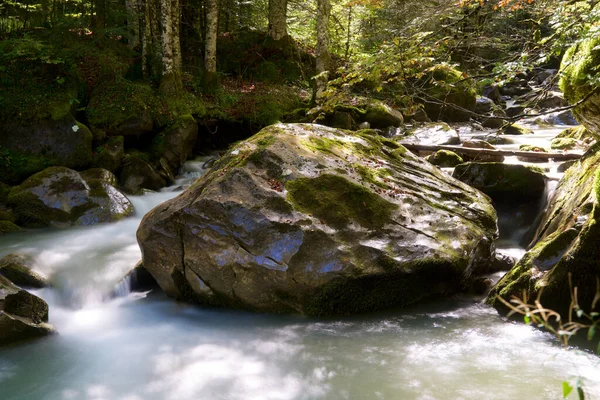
17	269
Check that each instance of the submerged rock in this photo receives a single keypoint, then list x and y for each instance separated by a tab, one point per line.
22	315
60	197
503	181
564	253
17	269
309	219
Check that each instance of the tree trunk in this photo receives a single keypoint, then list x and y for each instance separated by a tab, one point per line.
210	51
323	58
277	19
171	53
133	22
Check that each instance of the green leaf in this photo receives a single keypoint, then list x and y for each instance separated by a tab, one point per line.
567	389
527	319
591	332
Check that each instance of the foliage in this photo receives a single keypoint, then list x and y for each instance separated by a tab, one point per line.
579	320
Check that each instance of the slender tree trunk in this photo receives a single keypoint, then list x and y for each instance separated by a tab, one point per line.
171	53
277	19
348	34
176	15
323	57
210	51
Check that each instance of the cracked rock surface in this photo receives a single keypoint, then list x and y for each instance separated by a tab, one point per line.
307	219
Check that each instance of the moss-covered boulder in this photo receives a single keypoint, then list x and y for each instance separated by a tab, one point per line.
122	108
576	132
27	148
563	143
110	154
22	315
452	98
515	129
445	159
8	227
380	116
503	181
17	268
138	174
309	219
60	197
531	147
565	246
580	63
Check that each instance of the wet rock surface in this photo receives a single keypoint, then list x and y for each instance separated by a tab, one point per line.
22	315
313	220
60	197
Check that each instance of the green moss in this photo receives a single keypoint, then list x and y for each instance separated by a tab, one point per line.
119	102
576	132
372	176
445	159
338	202
579	63
516	129
529	147
279	205
8	227
16	166
563	143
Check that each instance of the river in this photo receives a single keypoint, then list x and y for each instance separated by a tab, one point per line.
145	346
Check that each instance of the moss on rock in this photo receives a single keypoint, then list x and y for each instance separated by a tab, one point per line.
445	159
563	143
339	202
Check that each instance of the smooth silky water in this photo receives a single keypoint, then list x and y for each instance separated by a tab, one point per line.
137	346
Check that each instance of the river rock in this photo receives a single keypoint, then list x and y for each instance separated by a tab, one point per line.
445	159
100	175
22	315
564	253
307	219
503	181
137	175
431	133
8	227
30	148
110	154
515	129
484	105
179	141
60	197
453	100
381	116
17	269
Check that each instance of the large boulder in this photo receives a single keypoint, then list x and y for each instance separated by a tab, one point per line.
60	197
564	253
452	99
578	64
17	268
503	181
309	219
22	315
27	148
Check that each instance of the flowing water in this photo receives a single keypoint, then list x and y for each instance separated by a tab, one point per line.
146	346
